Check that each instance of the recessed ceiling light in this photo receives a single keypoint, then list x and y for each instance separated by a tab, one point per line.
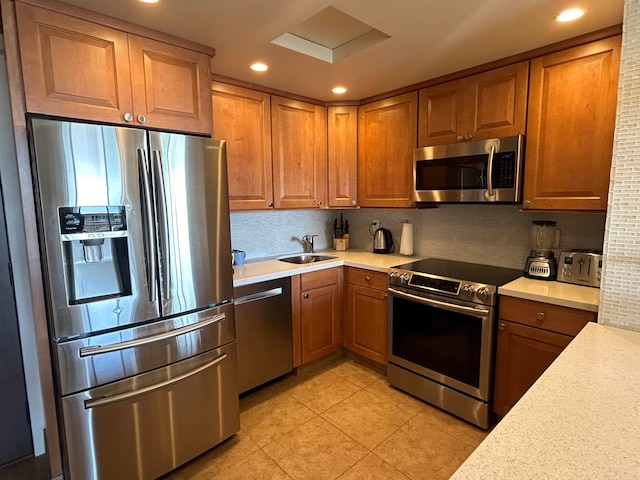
570	15
259	67
149	1
339	90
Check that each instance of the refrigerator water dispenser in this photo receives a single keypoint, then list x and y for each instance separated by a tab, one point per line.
95	252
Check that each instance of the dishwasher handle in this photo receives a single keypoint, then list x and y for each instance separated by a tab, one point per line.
253	297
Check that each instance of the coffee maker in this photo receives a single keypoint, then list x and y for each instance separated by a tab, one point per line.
541	263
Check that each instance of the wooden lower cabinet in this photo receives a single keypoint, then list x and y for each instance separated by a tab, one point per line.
365	319
531	335
317	318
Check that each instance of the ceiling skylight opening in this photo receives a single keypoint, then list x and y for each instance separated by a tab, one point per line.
259	67
570	15
339	90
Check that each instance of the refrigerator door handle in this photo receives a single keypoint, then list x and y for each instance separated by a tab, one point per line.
114	347
163	239
149	234
101	401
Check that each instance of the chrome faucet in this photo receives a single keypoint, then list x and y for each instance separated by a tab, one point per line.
307	243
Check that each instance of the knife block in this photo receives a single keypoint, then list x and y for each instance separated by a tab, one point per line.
341	243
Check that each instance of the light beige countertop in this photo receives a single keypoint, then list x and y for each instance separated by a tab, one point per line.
270	269
557	293
579	420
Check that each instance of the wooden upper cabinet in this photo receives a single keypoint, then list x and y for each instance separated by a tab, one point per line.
242	117
80	69
486	105
73	68
170	85
342	133
299	148
572	107
387	135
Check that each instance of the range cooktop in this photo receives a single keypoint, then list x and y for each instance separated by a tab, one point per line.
465	272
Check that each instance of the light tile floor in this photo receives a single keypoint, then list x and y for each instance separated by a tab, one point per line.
337	419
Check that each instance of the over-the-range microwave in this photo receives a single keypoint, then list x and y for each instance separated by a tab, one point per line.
470	172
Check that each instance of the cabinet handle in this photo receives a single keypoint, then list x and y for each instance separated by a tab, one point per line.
142	118
367	278
526	204
540	316
128	117
270	204
459	138
468	137
305	295
501	326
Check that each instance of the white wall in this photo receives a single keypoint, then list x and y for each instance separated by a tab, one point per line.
487	234
17	240
620	291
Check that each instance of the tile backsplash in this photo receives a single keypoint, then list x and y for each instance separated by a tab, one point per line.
488	234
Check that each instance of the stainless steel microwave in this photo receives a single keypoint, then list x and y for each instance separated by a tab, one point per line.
470	172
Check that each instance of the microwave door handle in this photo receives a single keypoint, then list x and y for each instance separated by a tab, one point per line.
490	193
438	304
163	236
149	234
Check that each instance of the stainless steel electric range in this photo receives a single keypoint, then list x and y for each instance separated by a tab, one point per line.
442	329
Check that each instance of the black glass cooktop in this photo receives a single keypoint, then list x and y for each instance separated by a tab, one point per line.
469	272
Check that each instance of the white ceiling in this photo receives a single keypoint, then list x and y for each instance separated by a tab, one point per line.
429	38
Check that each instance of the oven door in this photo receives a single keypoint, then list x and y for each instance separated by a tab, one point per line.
446	340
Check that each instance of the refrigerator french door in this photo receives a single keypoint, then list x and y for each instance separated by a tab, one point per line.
135	236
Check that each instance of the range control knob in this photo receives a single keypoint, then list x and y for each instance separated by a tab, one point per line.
393	275
468	290
483	293
405	278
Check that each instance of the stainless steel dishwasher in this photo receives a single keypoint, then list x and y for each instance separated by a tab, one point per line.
263	332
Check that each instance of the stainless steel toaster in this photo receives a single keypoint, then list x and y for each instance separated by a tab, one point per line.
582	267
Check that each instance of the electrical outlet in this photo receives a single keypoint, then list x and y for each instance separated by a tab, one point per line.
375	223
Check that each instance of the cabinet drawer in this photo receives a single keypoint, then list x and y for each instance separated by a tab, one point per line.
568	321
320	278
367	278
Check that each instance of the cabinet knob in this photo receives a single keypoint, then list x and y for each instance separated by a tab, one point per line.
526	204
468	137
305	295
501	326
540	316
354	203
459	138
270	204
319	203
367	278
142	118
128	117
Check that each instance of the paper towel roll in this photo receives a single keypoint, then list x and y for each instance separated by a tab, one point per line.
406	239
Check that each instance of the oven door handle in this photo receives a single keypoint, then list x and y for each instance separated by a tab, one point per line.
436	303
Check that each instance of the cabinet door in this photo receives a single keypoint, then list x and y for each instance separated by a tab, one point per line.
342	147
441	112
73	68
387	135
366	322
242	117
320	322
299	147
523	354
171	86
497	102
572	106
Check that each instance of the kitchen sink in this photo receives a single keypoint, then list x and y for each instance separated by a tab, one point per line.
306	258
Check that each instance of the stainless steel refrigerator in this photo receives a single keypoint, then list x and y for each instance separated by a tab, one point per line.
135	233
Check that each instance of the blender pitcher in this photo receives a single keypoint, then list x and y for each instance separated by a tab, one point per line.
541	263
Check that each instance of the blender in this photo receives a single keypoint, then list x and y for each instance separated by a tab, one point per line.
541	263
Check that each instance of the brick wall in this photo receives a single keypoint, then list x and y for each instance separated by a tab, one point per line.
620	290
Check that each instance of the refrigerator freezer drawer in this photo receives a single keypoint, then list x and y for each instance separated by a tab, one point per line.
143	427
100	359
